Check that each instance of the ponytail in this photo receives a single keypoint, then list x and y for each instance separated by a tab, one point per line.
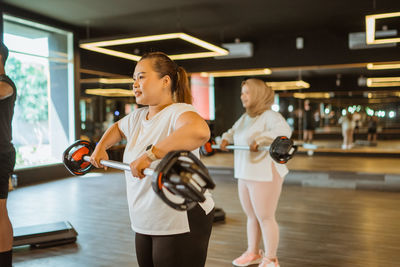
180	87
183	94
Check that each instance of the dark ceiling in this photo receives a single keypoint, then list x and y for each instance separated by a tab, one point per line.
271	25
219	20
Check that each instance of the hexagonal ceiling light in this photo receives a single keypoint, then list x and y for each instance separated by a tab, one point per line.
99	46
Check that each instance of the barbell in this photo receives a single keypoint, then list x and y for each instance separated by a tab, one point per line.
281	150
180	179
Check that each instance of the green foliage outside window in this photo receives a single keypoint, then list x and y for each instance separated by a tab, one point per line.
31	108
31	83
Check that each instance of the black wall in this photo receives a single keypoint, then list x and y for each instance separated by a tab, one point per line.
321	47
228	107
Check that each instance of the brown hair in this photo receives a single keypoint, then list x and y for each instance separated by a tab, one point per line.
180	88
262	96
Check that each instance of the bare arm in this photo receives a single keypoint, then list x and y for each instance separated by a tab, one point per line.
5	90
191	132
112	136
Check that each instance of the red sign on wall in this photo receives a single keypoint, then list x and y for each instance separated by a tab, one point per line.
201	95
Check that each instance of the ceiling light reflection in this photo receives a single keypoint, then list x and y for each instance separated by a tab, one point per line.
112	92
233	73
383	66
383	81
370	24
289	85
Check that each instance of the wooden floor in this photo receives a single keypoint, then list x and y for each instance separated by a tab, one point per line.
319	227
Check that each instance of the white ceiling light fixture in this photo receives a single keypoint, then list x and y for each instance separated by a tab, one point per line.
370	28
108	80
288	85
383	81
101	73
111	92
233	73
383	66
311	95
214	51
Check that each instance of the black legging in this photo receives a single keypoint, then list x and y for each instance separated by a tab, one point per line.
181	250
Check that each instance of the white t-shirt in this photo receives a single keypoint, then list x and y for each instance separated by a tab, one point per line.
347	124
148	213
256	166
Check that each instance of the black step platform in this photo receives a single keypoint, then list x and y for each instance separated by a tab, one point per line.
45	235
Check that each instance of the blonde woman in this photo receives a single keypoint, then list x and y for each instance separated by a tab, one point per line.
259	177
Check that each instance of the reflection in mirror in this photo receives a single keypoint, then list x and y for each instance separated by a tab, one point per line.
345	120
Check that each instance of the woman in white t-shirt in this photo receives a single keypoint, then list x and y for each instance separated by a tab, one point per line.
164	236
259	177
348	126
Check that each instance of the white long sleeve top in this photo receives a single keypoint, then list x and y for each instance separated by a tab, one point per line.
257	165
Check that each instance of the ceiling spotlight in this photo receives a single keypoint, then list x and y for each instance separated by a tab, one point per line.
338	80
361	81
299	43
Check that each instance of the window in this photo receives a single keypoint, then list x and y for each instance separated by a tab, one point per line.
40	63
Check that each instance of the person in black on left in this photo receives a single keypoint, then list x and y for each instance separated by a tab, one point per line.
8	93
308	123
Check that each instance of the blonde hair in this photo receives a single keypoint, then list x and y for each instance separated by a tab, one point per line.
261	96
180	88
